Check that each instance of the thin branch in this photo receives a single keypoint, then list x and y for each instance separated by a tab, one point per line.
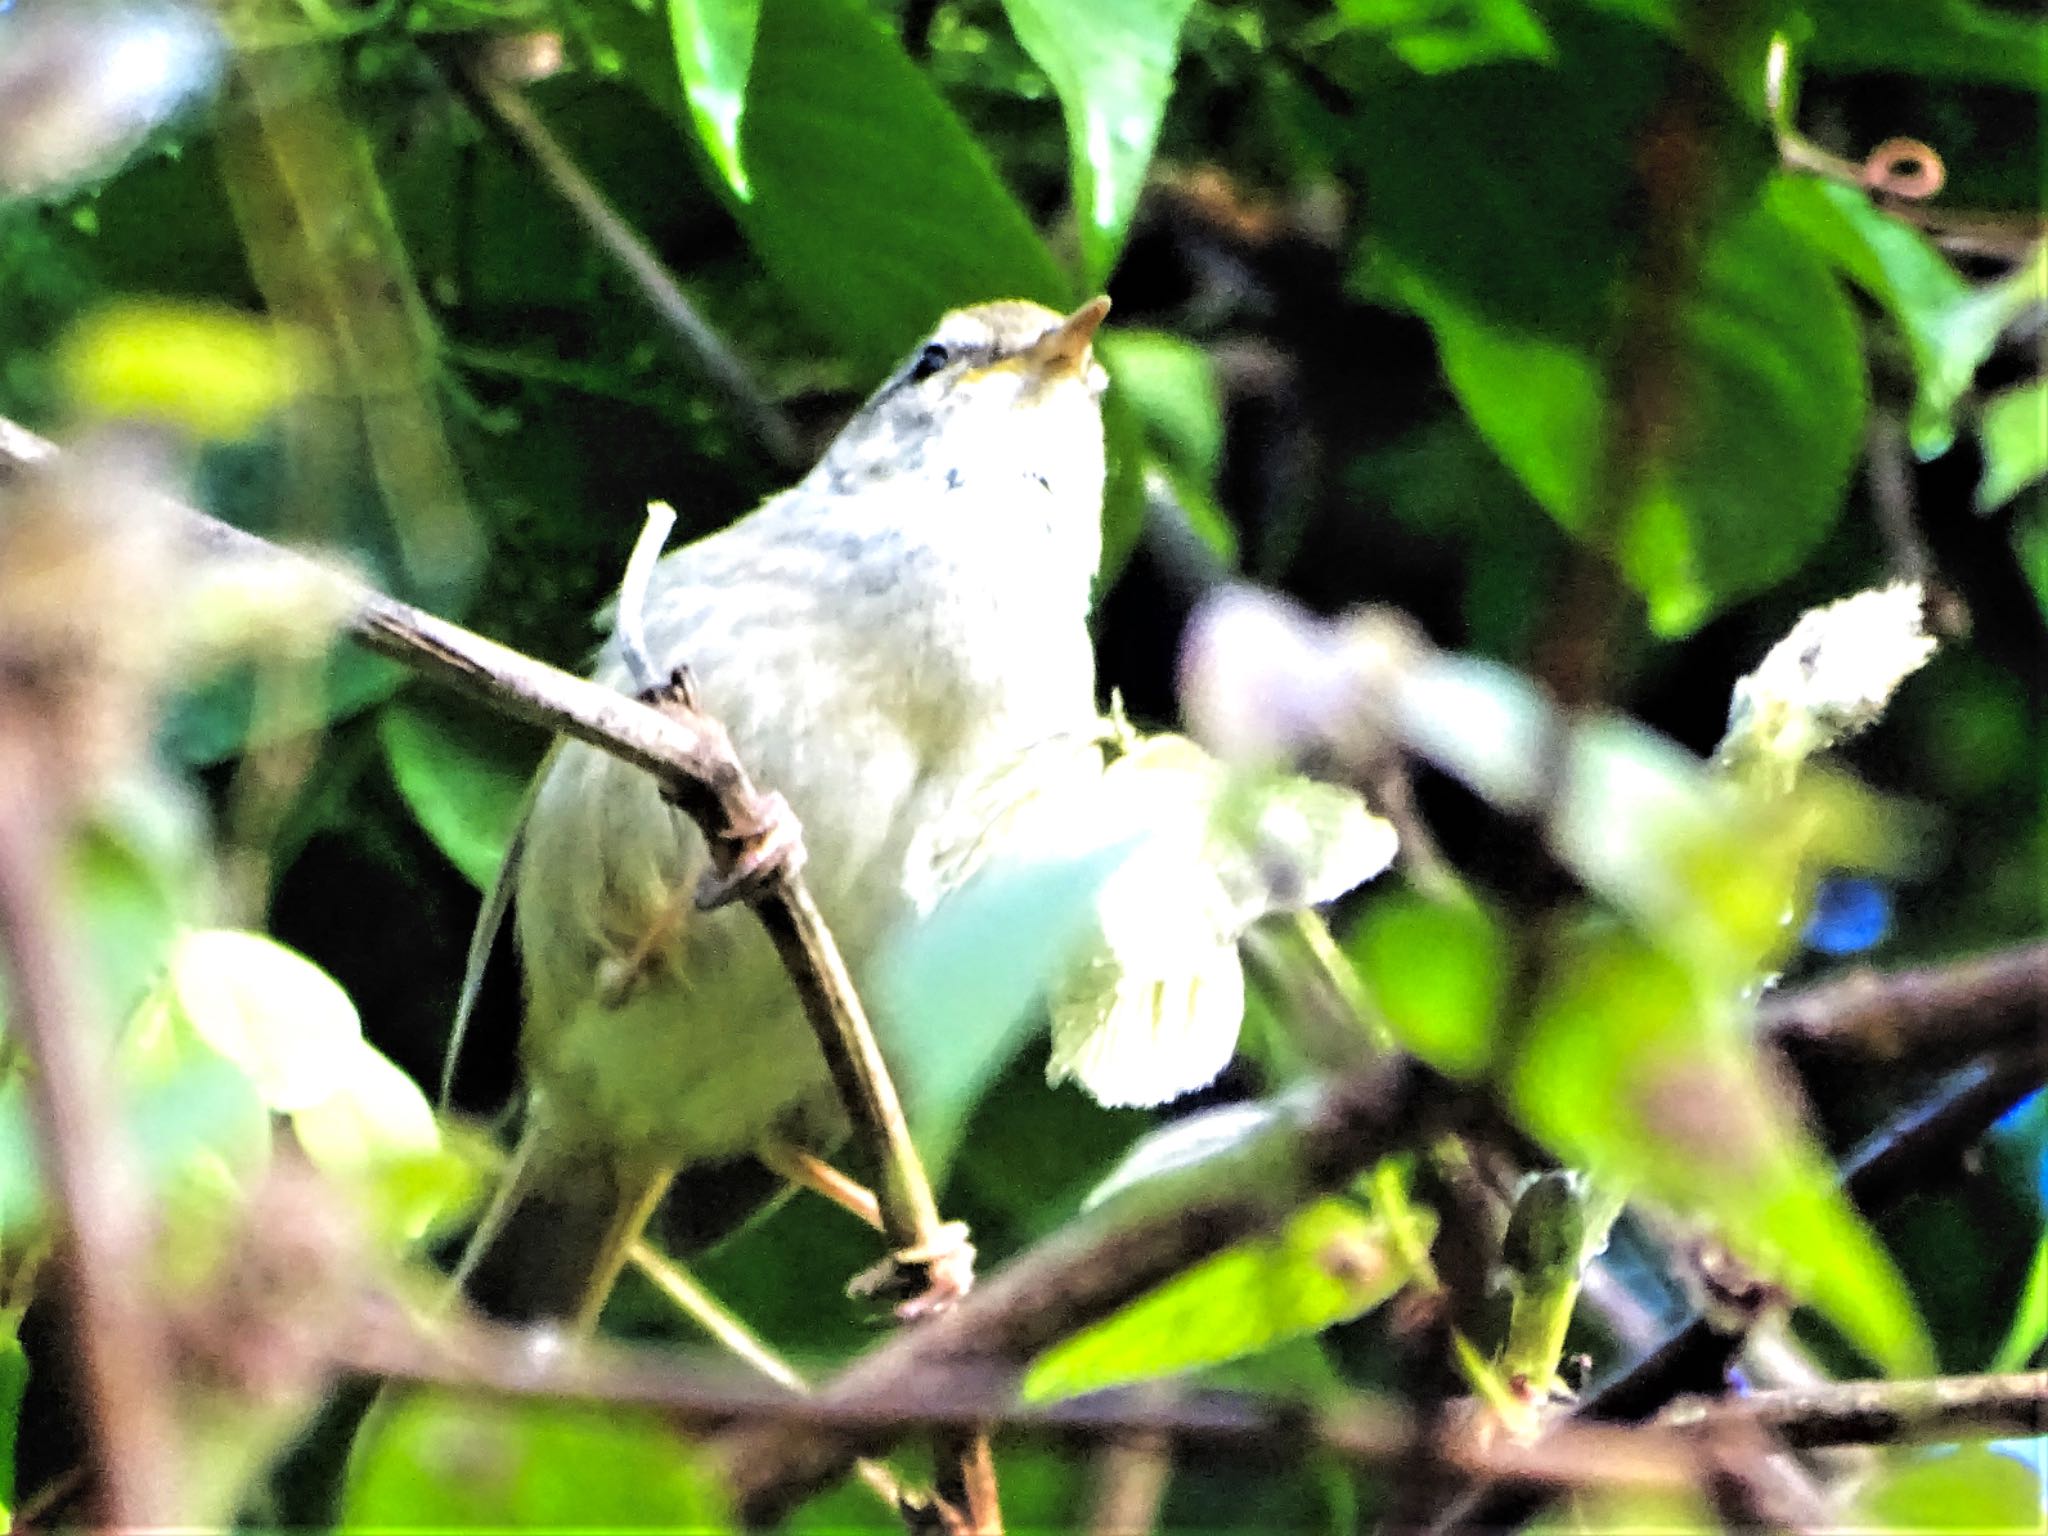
115	1328
1926	1016
1882	1412
504	105
499	1361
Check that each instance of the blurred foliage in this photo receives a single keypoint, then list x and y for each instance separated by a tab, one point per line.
1451	304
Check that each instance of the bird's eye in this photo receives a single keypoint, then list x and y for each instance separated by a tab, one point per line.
929	361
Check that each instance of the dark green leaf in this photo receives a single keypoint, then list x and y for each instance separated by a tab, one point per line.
437	1462
872	206
1959	39
1767	420
1112	63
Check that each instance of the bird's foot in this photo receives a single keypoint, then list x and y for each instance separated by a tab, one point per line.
767	846
922	1280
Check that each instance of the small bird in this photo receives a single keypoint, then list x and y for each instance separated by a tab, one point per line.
879	640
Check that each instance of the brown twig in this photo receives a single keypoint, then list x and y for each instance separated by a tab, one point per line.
1928	1016
497	1360
1882	1412
115	1328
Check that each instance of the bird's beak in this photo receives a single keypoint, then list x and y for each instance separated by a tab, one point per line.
1064	348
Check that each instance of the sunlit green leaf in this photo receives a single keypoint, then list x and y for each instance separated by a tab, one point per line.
464	774
375	1134
1111	61
1949	327
13	1384
1438	35
1967	1488
1633	1073
1436	973
1152	1007
1609	1513
272	1012
1715	871
873	207
714	45
208	370
1331	1263
435	1462
202	1111
134	873
2014	431
2029	1329
959	987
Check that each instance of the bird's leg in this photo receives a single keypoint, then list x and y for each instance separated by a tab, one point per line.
629	1219
918	1280
761	840
766	844
806	1170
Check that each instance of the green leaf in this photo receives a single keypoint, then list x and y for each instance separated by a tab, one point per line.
269	1010
2029	1329
133	872
2014	432
958	988
464	774
1767	420
375	1134
1631	1072
1969	1488
714	42
205	369
1948	326
1331	1263
440	1462
873	207
1538	242
13	1385
196	1119
1111	61
1437	973
1436	36
1951	39
1171	385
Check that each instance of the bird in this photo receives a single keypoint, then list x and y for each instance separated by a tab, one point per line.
881	641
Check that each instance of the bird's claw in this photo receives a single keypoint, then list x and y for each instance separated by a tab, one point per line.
768	846
921	1280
